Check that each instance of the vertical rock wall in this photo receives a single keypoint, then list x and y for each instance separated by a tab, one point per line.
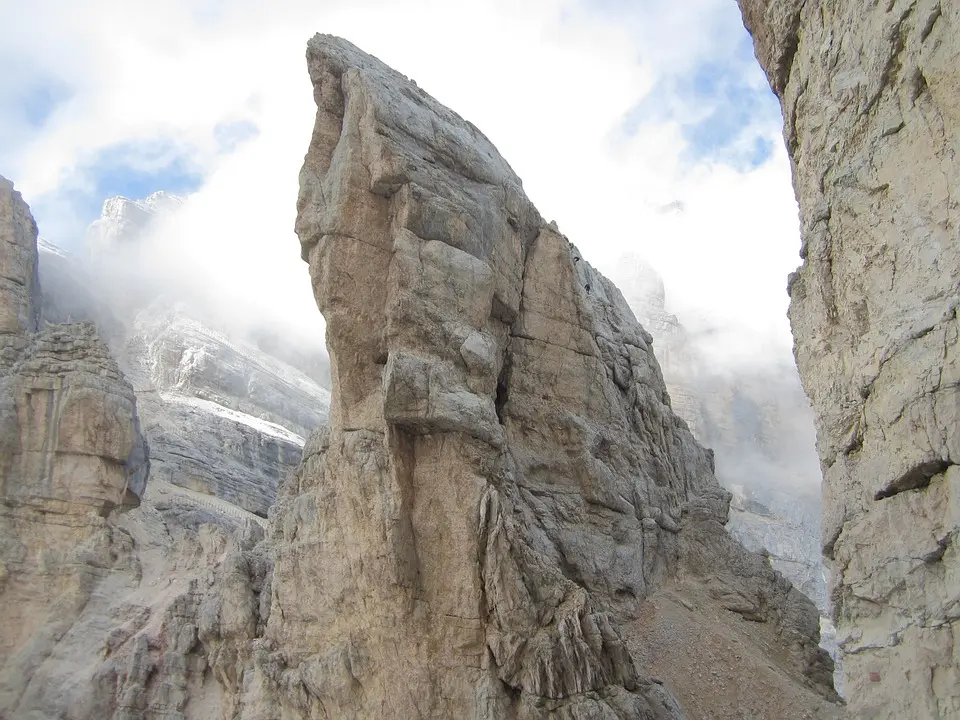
19	286
870	94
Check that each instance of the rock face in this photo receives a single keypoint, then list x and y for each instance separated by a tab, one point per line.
105	610
19	283
122	220
871	103
71	436
504	518
205	397
503	483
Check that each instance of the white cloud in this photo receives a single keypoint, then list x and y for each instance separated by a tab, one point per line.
549	81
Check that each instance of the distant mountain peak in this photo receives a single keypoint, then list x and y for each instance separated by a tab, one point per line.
123	219
120	207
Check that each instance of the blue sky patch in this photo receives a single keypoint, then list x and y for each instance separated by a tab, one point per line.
231	135
135	170
722	105
38	101
28	97
724	109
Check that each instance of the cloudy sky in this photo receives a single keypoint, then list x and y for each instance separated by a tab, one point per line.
643	128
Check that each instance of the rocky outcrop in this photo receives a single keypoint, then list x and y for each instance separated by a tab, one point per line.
871	104
679	360
119	637
503	484
106	603
71	429
784	524
204	396
179	355
122	220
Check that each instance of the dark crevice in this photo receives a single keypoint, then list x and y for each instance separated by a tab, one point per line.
513	693
918	84
503	388
916	478
502	312
785	64
829	547
893	65
569	570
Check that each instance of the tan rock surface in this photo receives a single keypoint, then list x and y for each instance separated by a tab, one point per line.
871	102
503	481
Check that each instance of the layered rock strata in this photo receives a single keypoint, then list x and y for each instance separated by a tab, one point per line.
503	482
870	94
19	282
502	516
205	397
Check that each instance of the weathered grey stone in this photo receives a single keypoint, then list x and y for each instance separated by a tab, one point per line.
221	417
870	94
502	492
759	424
503	482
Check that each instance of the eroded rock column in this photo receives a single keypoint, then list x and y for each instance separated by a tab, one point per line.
503	481
19	286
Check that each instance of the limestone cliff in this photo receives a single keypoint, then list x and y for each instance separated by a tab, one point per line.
19	282
870	94
503	497
222	417
504	519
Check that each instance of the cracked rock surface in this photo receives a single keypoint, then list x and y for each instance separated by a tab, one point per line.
503	483
870	94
